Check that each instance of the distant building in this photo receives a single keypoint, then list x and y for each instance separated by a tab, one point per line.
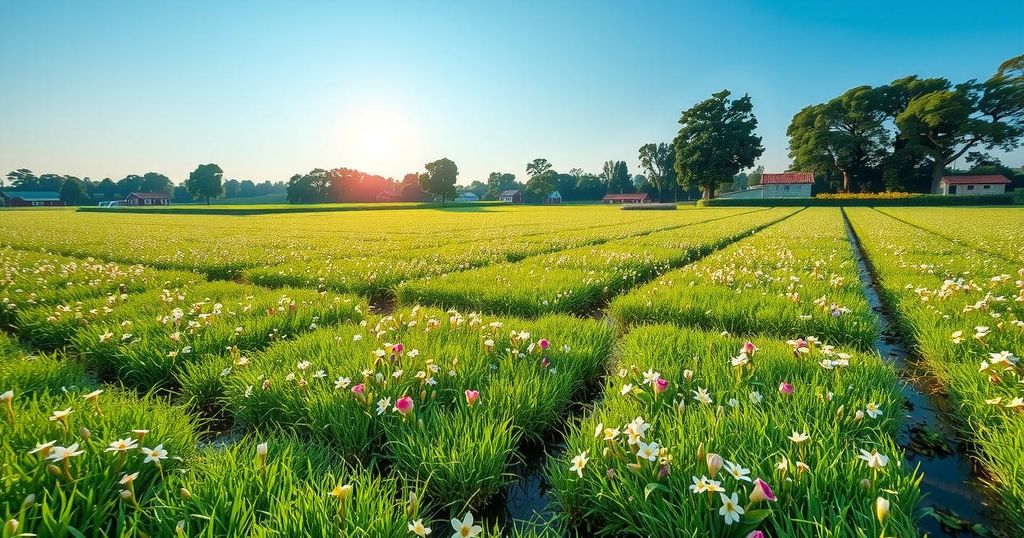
554	197
787	185
389	196
13	198
512	197
467	196
628	198
147	198
970	185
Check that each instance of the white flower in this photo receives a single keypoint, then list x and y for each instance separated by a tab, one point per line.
755	397
873	410
578	463
154	454
416	527
383	405
626	389
465	528
342	383
874	459
731	509
647	451
737	471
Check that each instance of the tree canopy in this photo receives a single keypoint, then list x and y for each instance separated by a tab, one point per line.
205	182
439	179
715	142
659	161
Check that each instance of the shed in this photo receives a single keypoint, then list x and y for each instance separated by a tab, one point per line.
15	198
389	196
147	198
628	198
971	185
467	196
787	185
553	197
512	197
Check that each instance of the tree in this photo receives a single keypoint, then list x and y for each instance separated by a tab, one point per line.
845	134
205	182
754	178
716	141
440	178
106	188
616	177
542	184
948	123
537	167
231	188
659	161
154	182
22	179
590	187
72	191
307	188
247	188
498	182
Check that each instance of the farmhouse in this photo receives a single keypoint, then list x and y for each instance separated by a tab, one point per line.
554	197
787	185
147	198
389	196
629	198
512	197
971	185
467	196
12	198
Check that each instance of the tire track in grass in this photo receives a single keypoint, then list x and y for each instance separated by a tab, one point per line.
951	481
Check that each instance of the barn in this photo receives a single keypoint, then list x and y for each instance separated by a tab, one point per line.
147	198
13	198
553	197
512	197
787	185
972	185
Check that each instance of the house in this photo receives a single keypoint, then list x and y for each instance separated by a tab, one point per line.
13	198
147	198
467	196
629	198
970	185
512	197
553	197
787	185
389	196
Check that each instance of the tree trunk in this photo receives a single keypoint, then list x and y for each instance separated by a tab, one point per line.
938	168
207	200
709	192
846	181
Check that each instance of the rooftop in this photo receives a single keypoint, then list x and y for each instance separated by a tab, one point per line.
976	180
787	178
32	196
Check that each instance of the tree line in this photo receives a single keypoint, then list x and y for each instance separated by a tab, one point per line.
205	182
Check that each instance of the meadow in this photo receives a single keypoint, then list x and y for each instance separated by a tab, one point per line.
698	372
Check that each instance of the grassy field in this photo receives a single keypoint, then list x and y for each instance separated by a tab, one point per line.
699	372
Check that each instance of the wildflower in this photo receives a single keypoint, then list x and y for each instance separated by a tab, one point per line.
700	485
382	405
650	376
647	451
122	445
748	348
471	397
761	492
94	397
688	375
858	416
626	389
154	454
882	509
874	460
544	344
578	463
714	463
106	336
786	388
755	397
702	396
62	417
465	528
404	405
261	456
7	397
416	527
341	383
873	410
756	534
957	337
342	493
660	386
799	437
611	433
737	471
43	449
731	509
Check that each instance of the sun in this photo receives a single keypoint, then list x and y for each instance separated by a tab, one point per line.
378	131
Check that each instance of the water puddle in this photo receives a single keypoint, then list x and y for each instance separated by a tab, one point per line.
956	501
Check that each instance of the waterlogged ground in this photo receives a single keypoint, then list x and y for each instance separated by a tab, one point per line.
517	371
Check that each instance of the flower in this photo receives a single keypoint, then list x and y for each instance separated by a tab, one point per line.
660	386
359	389
465	528
874	459
404	405
737	471
785	388
122	445
416	527
714	486
382	405
688	375
731	509
341	383
64	453
647	451
43	447
799	437
714	463
881	509
626	389
756	534
761	491
702	396
755	397
544	344
748	348
93	395
471	397
154	454
700	485
341	492
578	463
873	410
61	415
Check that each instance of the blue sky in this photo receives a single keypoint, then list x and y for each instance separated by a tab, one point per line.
268	89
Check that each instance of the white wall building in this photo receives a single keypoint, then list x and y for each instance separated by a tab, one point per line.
972	185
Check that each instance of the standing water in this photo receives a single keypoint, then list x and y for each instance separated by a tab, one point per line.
956	500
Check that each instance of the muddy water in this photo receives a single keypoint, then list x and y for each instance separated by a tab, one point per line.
951	482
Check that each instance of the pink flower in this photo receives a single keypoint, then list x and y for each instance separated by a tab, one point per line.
359	389
545	362
397	349
471	397
544	344
785	388
761	492
756	534
404	405
660	385
749	348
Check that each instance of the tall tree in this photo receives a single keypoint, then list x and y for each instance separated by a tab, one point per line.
205	182
154	182
440	178
72	191
716	141
498	182
616	177
659	161
754	178
947	124
23	179
537	167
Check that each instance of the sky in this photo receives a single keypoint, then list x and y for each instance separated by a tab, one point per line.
269	89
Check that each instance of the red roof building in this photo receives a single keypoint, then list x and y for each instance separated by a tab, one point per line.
788	178
628	198
967	185
148	198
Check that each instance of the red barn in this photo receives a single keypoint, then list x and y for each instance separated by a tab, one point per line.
147	198
12	198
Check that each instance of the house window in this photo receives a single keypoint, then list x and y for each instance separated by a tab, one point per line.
36	204
986	187
785	188
970	187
